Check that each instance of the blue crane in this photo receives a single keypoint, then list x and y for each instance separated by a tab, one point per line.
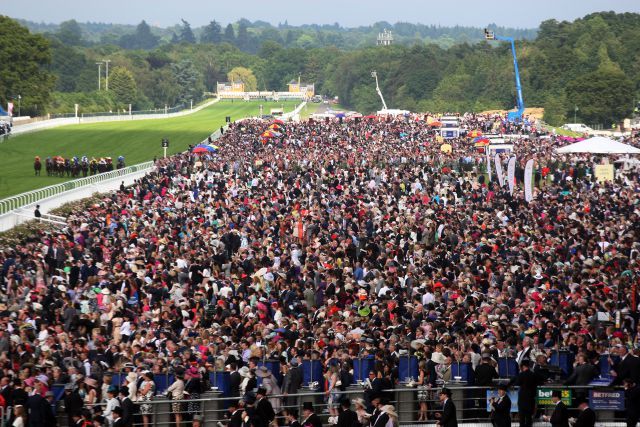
514	116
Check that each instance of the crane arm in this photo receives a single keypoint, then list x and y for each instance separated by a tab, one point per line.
490	35
375	76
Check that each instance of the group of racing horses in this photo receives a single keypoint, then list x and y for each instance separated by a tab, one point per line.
73	167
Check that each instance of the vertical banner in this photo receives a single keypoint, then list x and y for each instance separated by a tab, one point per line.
486	149
528	177
511	173
10	108
499	169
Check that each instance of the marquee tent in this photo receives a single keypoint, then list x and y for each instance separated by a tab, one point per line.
599	145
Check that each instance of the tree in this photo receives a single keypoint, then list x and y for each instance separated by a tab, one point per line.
212	33
188	81
229	34
604	96
70	33
123	85
244	75
242	41
143	38
555	109
186	34
67	63
24	63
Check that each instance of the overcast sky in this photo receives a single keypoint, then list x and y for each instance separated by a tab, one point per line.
349	13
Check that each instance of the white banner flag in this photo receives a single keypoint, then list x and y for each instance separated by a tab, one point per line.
499	169
488	162
511	173
528	177
10	108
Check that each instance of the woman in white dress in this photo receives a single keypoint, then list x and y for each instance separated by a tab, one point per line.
20	415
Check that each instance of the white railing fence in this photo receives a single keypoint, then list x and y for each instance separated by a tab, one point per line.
25	199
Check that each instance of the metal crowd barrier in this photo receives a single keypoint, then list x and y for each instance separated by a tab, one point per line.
25	199
471	405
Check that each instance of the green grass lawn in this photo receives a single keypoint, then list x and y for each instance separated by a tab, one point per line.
138	141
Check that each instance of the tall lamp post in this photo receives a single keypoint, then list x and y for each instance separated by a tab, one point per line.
19	105
106	82
575	114
99	64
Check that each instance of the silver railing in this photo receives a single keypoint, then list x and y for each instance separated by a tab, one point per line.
29	198
413	406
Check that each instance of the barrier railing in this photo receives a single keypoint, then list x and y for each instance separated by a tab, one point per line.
25	199
413	405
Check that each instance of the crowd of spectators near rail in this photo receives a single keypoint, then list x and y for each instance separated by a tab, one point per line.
5	128
332	242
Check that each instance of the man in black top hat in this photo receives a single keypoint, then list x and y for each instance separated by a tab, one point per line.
310	418
128	407
560	415
501	408
587	417
264	410
528	385
347	417
448	417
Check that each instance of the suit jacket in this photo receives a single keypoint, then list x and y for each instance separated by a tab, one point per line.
264	412
560	416
528	383
587	418
312	421
118	423
292	381
484	375
523	355
502	412
449	416
379	419
38	408
234	384
236	419
628	368
128	409
582	375
347	418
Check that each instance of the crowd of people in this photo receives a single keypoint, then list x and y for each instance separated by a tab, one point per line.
336	241
5	127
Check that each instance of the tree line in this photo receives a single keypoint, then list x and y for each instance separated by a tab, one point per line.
589	67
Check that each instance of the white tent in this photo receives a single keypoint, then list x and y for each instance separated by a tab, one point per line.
599	145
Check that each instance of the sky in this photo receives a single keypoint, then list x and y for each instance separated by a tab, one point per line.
348	13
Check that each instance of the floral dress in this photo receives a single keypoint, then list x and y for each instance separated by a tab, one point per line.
146	408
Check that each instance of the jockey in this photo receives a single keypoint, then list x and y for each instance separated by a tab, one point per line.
85	159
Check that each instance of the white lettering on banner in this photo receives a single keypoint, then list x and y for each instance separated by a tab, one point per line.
528	176
499	170
511	173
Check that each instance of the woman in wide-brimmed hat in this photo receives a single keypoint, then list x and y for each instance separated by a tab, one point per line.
393	416
360	407
270	384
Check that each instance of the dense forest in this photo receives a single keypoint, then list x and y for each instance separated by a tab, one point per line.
591	64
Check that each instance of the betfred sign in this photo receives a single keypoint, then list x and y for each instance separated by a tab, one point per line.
611	400
543	397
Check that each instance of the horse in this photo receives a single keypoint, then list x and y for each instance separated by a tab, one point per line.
37	166
85	168
49	166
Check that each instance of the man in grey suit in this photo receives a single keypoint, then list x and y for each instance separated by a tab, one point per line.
292	380
583	372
